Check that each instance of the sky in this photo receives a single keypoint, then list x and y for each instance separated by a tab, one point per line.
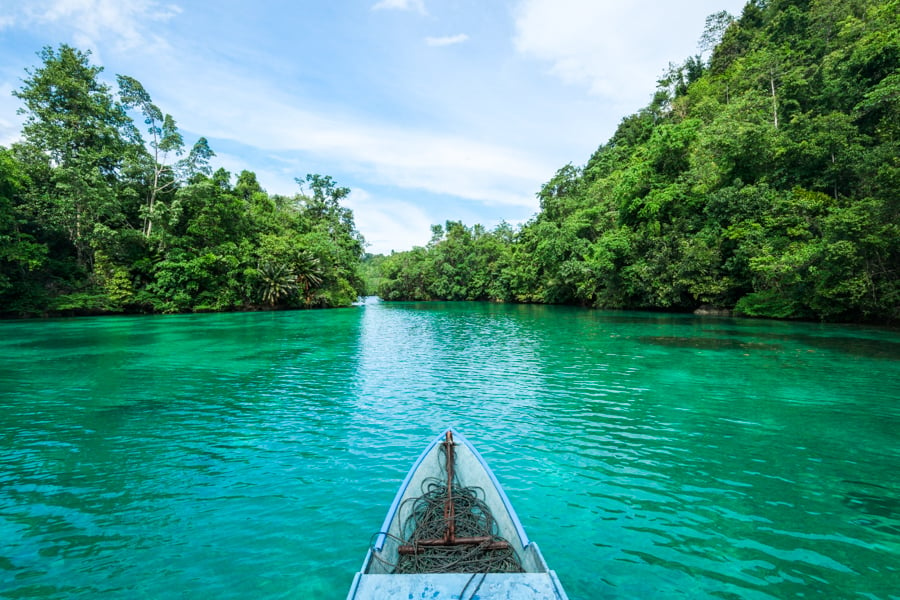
428	110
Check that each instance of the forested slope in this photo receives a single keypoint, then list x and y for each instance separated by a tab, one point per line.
99	213
764	178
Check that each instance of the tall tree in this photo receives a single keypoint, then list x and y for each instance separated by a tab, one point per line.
164	139
196	163
716	26
76	125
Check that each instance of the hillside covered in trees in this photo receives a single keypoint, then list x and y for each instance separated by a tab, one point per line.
101	214
764	178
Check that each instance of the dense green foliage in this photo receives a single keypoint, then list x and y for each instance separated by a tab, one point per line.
764	179
94	217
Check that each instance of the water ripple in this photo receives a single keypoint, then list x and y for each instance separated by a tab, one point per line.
252	455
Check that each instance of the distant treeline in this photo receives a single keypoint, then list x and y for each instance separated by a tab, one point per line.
764	179
100	214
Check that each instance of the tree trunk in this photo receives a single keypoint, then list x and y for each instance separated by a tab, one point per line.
774	101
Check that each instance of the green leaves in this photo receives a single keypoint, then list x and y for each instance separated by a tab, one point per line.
93	218
766	181
70	114
276	283
73	122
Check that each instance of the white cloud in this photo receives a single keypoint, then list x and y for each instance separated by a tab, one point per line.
616	50
416	5
10	121
256	114
447	40
388	225
126	24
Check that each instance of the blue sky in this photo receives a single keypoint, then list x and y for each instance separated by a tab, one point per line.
428	110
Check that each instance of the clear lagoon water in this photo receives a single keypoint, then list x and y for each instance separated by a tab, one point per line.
254	455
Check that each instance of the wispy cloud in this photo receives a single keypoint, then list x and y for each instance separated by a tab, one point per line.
414	5
390	224
10	121
447	40
380	152
125	24
600	51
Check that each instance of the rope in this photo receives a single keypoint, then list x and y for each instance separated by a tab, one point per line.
470	517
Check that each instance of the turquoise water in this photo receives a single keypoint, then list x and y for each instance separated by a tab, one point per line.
253	455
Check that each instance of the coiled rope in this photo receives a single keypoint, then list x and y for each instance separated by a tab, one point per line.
452	529
472	520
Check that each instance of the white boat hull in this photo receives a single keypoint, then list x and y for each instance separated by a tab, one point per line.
377	580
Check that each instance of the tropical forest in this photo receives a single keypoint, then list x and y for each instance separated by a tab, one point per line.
762	178
105	209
